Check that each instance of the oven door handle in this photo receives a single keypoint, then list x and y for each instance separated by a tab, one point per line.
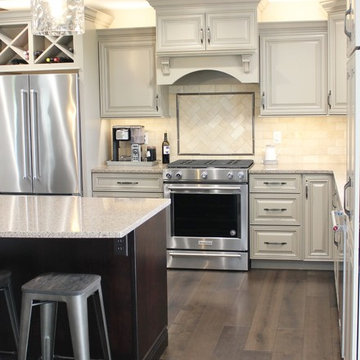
204	189
171	253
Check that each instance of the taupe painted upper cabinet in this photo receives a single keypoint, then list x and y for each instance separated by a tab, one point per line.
215	31
293	68
127	74
337	92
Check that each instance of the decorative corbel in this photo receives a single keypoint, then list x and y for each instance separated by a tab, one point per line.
165	66
246	62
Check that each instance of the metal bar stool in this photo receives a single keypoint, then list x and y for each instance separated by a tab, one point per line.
73	289
5	286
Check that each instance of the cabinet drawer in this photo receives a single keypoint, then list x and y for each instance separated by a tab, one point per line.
270	242
279	209
275	183
127	182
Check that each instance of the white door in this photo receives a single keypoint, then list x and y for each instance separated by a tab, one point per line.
227	31
180	33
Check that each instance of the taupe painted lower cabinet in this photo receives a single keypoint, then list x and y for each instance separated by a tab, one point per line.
126	185
290	217
317	208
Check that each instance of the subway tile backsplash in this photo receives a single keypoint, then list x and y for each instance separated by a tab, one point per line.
309	139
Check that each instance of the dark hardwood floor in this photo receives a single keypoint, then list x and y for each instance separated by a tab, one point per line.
255	315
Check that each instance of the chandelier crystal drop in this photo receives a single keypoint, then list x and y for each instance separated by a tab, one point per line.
58	17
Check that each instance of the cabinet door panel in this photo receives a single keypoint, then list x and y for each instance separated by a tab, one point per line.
179	33
317	218
294	74
230	31
135	67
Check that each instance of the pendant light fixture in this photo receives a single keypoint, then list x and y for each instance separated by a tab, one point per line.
58	17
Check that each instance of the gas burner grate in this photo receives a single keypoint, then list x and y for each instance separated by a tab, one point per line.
201	164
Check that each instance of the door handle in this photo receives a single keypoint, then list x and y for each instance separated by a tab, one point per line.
275	209
274	243
208	35
202	35
346	186
184	254
35	122
25	133
347	13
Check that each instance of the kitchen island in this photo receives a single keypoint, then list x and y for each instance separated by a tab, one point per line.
123	240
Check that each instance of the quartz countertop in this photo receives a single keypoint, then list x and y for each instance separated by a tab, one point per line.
142	169
74	217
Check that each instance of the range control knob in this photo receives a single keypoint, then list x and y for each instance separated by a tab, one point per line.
230	175
178	175
168	175
241	175
204	175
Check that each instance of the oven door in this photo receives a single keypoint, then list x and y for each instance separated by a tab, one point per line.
207	217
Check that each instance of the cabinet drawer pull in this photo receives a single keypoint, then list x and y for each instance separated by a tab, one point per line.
274	243
127	182
280	210
202	35
274	183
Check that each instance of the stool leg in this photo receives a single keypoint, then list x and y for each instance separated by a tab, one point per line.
48	313
10	302
101	321
79	328
25	318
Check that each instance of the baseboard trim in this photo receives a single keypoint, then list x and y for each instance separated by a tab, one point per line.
292	265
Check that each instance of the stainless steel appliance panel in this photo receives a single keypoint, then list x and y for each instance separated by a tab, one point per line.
15	154
55	134
210	260
40	134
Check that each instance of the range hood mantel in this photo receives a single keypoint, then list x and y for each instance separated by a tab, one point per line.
244	68
196	35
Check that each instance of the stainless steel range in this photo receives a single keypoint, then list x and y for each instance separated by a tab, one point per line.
207	222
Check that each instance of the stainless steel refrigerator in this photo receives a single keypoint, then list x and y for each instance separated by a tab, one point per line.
40	134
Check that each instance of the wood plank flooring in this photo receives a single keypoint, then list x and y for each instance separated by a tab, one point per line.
255	315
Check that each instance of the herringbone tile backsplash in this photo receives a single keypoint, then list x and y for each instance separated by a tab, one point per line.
218	124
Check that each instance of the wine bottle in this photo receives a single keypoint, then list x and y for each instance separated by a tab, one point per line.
165	150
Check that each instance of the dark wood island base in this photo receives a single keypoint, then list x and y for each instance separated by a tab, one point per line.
133	271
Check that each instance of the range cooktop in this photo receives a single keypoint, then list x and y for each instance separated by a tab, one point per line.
220	164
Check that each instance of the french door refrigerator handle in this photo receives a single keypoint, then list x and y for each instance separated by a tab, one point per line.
35	122
346	186
25	132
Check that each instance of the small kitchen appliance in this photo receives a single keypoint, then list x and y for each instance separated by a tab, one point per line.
207	221
126	143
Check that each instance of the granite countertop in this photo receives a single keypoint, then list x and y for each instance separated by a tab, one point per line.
74	217
136	169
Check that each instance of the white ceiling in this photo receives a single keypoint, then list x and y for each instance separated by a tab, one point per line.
98	4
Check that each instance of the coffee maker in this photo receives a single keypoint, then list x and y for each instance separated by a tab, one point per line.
126	143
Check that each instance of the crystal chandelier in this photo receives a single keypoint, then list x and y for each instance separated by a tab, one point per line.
57	17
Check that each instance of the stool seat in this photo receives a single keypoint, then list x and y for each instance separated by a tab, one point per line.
63	284
74	289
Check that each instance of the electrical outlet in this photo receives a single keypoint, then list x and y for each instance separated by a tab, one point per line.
146	138
277	137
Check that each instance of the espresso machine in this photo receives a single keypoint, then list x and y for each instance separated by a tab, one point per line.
127	143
